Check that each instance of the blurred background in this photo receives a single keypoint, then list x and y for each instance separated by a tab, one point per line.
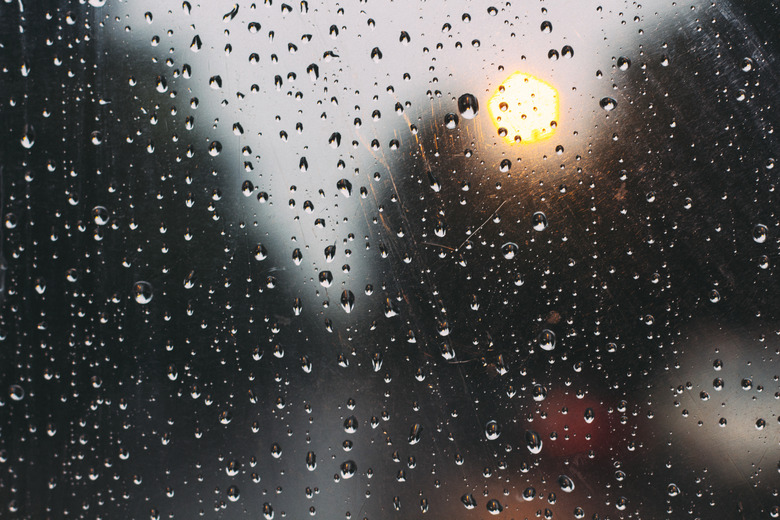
277	260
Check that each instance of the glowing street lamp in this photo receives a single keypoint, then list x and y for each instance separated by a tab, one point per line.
524	109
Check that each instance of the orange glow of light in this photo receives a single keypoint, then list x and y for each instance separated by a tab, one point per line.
524	109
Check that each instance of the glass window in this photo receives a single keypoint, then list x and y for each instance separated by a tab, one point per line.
389	259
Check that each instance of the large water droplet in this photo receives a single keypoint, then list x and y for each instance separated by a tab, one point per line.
468	501
351	424
509	250
608	104
311	461
494	507
142	292
468	107
546	339
566	483
492	430
414	433
348	469
347	301
539	221
533	441
28	136
760	233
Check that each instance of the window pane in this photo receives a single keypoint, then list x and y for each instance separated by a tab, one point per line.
389	259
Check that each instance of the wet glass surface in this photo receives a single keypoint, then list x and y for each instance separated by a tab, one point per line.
389	260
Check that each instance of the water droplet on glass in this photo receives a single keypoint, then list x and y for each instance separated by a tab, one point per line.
268	511
142	292
566	483
539	393
468	501
492	430
546	339
16	392
539	221
28	136
451	121
747	65
260	252
347	301
608	104
533	441
546	27
760	233
325	278
311	461
215	148
348	469
414	434
509	250
494	507
468	107
623	63
589	415
351	424
345	187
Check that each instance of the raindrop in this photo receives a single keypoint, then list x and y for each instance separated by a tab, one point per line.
468	501
539	393
196	44
546	339
468	107
608	104
623	63
348	469
345	187
215	148
566	483
351	424
546	27
311	461
492	430
28	136
509	250
747	65
376	54
16	392
533	441
260	252
325	278
142	292
451	121
567	51
589	415
539	221
760	233
414	434
494	507
100	215
347	301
